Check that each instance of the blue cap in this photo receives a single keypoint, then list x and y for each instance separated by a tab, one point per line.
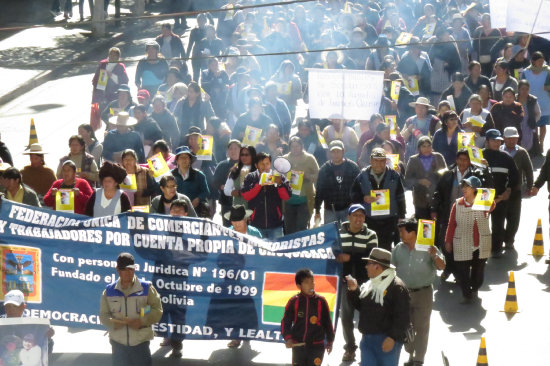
493	134
184	150
356	207
472	181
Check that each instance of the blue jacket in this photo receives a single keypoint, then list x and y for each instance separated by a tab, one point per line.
441	146
116	141
194	186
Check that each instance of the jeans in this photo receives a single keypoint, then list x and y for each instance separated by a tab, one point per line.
347	311
372	354
296	218
497	226
138	355
273	233
339	216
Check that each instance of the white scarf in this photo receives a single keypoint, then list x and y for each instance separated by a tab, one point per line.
378	286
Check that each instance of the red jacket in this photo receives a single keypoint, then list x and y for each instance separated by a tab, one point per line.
80	201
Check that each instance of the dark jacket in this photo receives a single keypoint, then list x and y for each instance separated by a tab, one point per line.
117	142
422	195
507	116
460	102
149	130
407	66
391	319
265	201
194	186
544	174
307	319
357	245
441	145
5	154
332	190
220	177
481	80
503	169
175	44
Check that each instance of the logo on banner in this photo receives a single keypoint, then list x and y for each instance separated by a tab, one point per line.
278	288
21	271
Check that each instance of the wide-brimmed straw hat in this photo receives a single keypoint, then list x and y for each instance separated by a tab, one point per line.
35	148
123	119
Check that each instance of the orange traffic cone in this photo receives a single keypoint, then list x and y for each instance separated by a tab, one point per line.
482	354
33	137
511	304
538	242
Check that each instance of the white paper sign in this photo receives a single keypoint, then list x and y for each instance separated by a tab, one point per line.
347	94
498	10
521	15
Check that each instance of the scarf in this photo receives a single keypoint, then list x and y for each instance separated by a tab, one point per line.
378	286
426	161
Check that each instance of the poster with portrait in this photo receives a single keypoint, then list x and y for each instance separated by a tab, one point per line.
296	179
21	271
428	30
24	341
395	89
425	234
391	120
403	39
140	209
451	101
252	136
64	200
392	161
321	137
206	146
267	179
465	139
129	184
102	80
476	121
476	156
158	165
381	204
412	82
484	199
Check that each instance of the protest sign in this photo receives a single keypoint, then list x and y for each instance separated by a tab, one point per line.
129	184
395	89
296	179
476	156
425	234
159	166
498	10
64	200
484	199
381	206
216	275
465	139
252	136
206	145
24	341
348	94
392	161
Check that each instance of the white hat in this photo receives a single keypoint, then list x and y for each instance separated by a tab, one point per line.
14	297
422	101
510	132
123	119
35	148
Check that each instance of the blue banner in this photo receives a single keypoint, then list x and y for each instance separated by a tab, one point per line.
214	282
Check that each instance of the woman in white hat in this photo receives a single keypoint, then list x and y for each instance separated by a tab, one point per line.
122	138
418	125
37	175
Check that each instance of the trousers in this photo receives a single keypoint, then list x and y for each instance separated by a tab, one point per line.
372	353
138	355
347	312
421	310
470	274
296	218
308	355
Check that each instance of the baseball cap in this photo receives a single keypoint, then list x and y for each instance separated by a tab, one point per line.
336	144
14	297
378	153
493	134
472	181
511	132
142	94
125	260
356	207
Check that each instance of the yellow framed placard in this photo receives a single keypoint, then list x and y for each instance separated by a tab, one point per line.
465	139
381	206
252	136
296	179
484	199
476	155
140	209
392	161
158	165
425	234
64	200
321	137
395	89
129	184
206	145
403	39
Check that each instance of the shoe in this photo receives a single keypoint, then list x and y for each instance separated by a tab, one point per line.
234	343
349	356
176	353
417	363
444	276
55	13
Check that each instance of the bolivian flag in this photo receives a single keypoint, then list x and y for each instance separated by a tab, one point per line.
278	288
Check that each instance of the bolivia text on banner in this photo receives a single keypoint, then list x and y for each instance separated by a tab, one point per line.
347	94
225	285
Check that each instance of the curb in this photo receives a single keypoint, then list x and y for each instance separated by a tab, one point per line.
49	75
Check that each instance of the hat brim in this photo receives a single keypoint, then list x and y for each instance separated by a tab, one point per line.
13	302
129	266
247	215
413	104
42	152
509	137
367	259
131	121
495	138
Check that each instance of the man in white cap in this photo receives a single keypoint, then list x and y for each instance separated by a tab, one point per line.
525	169
14	304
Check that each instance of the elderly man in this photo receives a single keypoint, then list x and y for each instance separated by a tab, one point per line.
120	311
122	138
357	242
17	191
507	189
333	185
383	304
191	182
418	269
525	170
377	178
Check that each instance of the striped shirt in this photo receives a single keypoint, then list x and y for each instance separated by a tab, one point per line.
358	245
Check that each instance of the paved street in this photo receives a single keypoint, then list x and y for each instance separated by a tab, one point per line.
59	106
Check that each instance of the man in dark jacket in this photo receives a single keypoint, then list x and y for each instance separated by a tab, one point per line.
544	177
507	187
265	194
447	192
220	177
373	185
170	43
334	183
357	242
383	304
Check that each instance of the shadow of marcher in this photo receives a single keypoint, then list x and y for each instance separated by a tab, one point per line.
233	356
460	318
497	269
543	278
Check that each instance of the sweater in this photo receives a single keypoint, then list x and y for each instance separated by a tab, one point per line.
357	245
40	179
422	195
80	201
